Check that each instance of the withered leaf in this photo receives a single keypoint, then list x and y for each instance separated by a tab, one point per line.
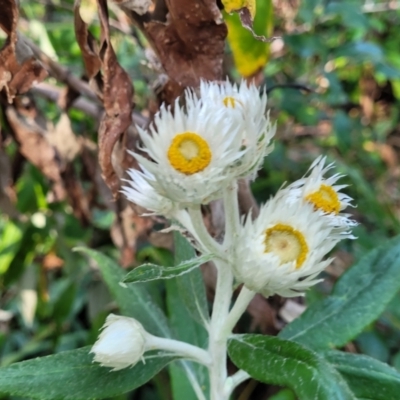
247	22
6	198
236	5
138	6
116	90
19	69
34	146
88	46
191	43
117	100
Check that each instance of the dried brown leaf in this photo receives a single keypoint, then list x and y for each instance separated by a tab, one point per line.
6	194
34	145
76	195
115	86
88	46
9	16
19	69
117	100
138	6
63	139
51	261
247	22
191	43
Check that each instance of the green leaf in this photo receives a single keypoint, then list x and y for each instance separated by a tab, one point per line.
186	329
235	5
151	272
134	301
11	235
249	53
284	363
368	378
358	298
73	375
191	285
64	304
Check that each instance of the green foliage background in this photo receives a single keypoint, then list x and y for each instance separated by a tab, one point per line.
333	51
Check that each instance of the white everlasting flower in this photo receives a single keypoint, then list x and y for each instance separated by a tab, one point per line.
246	101
323	194
140	190
121	343
192	153
281	251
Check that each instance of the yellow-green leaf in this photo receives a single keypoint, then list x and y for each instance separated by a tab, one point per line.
236	5
249	53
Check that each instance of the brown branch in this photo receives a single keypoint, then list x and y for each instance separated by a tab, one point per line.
94	110
62	73
297	86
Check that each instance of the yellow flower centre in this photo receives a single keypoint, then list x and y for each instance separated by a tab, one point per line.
189	153
325	199
287	243
230	101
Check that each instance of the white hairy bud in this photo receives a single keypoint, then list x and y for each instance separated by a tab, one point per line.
121	343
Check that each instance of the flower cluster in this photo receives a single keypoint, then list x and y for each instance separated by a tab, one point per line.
199	150
196	154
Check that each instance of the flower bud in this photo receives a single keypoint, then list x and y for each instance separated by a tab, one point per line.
121	343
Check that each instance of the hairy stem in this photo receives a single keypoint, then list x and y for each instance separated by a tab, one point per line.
184	349
237	311
217	344
223	295
206	240
235	380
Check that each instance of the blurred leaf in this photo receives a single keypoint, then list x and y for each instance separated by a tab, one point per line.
134	301
342	126
156	255
306	44
360	52
188	330
396	361
387	70
37	344
371	344
191	285
249	53
358	298
285	394
65	302
350	13
73	375
11	235
151	272
280	362
24	256
103	219
310	9
366	377
235	5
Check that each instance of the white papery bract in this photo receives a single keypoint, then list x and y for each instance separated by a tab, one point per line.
121	343
192	153
281	251
140	190
245	101
323	194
